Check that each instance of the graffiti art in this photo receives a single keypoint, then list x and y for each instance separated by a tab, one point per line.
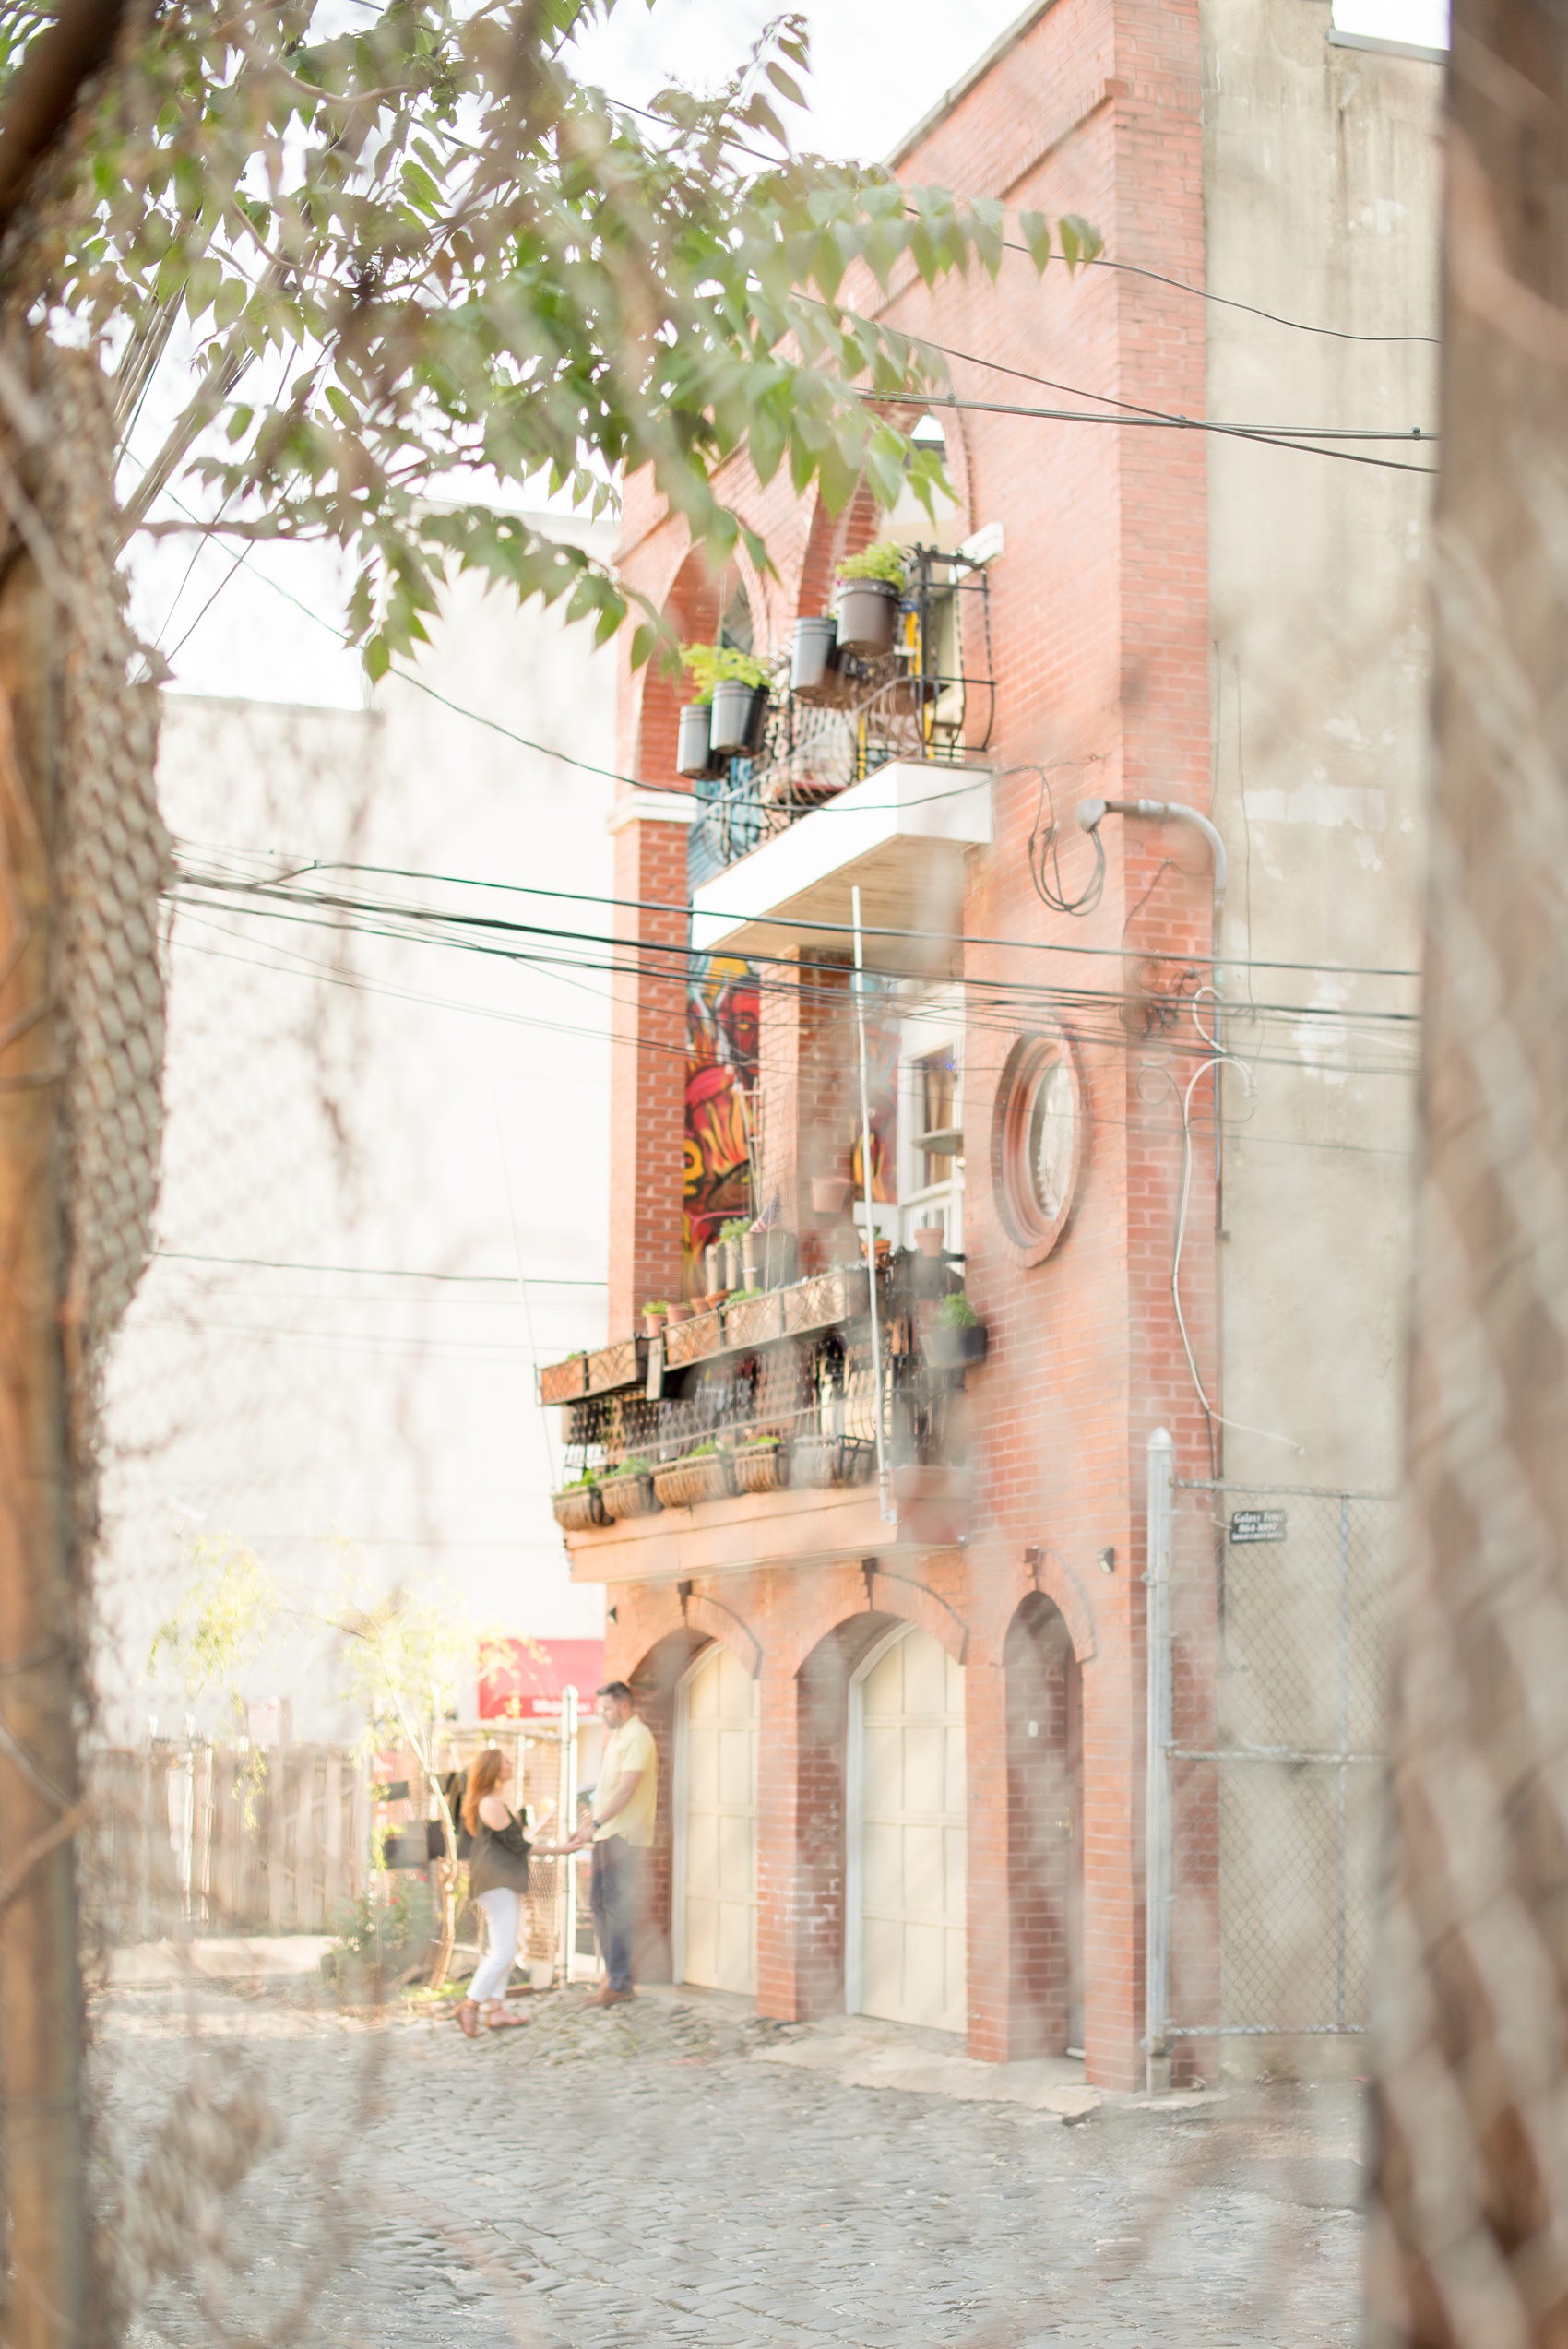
721	1068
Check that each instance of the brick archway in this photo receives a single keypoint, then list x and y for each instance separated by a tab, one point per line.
1045	1831
654	1682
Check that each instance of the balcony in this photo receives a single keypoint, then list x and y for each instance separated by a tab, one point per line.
873	777
748	1435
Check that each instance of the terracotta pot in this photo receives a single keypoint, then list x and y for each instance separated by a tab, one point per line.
829	1194
930	1240
679	1313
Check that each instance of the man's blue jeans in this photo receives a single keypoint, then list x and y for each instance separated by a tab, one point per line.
614	1898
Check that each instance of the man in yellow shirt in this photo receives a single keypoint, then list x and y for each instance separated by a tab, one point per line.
626	1805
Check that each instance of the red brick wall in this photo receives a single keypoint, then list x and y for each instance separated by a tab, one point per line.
1099	632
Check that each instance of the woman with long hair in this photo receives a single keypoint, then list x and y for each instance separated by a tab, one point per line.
498	1876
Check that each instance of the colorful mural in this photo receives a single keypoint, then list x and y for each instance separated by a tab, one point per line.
721	1067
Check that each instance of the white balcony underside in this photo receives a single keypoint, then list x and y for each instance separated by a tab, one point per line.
902	836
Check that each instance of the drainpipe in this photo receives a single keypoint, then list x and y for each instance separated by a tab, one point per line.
1157	1800
889	1514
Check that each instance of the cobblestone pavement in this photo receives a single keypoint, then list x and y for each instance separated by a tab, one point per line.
636	2176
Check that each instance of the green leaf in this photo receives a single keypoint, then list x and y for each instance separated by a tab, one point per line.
1035	229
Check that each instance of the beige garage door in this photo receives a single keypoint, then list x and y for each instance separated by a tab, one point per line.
717	1857
911	1836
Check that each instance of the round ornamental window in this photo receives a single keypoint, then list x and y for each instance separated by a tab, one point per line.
1038	1142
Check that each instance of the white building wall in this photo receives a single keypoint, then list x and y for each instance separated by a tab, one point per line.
346	1112
1321	187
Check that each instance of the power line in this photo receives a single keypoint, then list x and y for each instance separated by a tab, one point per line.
1260	434
379	1272
788	921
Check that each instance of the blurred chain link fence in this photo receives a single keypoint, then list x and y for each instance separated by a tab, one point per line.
1272	1768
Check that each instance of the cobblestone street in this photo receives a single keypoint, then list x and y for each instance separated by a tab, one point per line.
642	2176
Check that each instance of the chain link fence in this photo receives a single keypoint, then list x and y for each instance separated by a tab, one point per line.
1264	1822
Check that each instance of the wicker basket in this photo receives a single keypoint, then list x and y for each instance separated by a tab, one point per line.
760	1467
680	1484
578	1509
631	1496
821	1461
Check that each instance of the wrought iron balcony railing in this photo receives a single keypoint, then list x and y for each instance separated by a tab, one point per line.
768	1392
931	699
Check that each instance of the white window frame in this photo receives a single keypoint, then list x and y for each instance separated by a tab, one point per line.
939	1025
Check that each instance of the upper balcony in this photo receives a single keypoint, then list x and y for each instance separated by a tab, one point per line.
867	771
749	1432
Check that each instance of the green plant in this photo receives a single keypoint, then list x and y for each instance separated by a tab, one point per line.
636	1466
658	1307
710	664
702	1452
956	1313
756	1444
744	1296
736	1227
577	1483
883	560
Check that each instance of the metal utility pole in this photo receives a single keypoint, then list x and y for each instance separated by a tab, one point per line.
884	1483
1469	2237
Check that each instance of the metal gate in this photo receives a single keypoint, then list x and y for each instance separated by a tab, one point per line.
1265	1621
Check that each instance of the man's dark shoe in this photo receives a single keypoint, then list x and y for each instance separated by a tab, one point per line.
612	1999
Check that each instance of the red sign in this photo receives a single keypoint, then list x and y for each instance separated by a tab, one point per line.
522	1679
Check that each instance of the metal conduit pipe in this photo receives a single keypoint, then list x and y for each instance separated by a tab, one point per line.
1091	812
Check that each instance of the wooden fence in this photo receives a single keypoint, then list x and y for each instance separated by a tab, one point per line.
225	1839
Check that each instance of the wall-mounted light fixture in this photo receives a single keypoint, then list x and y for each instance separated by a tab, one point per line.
1106	1560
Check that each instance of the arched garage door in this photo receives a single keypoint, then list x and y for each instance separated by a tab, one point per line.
906	1841
715	1887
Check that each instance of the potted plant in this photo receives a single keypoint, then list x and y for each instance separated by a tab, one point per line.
654	1318
870	587
930	1240
814	655
957	1335
627	1491
760	1465
733	1239
577	1506
693	757
829	1195
701	1474
733	686
677	1312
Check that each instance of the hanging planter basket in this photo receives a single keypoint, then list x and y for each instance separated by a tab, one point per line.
740	712
953	1349
760	1467
578	1509
693	754
682	1484
628	1496
814	658
868	612
821	1461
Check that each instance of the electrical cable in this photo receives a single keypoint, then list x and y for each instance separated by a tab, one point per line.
1260	435
302	865
377	1271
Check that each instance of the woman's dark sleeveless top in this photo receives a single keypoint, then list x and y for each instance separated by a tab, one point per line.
499	1860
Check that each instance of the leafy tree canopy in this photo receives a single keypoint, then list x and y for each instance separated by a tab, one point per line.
427	266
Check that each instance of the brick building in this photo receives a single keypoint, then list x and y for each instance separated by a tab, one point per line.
888	1622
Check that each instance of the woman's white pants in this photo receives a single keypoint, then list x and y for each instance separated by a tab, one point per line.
503	1914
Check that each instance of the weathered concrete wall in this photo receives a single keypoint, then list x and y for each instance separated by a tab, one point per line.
1321	179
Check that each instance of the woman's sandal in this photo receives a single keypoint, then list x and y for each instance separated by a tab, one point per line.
467	2018
506	2021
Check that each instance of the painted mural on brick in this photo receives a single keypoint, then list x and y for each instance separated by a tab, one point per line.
721	1067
